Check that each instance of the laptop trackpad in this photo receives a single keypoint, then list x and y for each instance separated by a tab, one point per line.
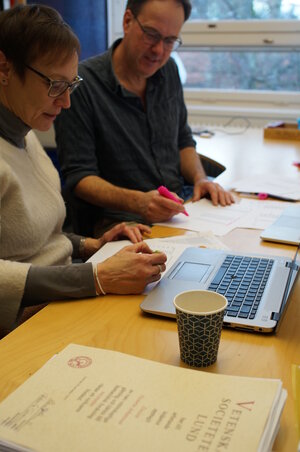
190	271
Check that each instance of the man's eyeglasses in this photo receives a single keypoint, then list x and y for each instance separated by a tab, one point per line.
57	87
153	37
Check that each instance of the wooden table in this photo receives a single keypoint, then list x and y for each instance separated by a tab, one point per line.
117	323
248	153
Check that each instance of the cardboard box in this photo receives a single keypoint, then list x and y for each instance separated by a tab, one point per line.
282	131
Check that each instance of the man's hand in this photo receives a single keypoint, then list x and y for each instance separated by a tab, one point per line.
155	208
215	191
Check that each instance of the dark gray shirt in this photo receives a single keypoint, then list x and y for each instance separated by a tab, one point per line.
108	132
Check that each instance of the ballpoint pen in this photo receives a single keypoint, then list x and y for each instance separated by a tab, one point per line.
163	191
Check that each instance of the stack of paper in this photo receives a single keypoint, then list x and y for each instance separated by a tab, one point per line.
88	399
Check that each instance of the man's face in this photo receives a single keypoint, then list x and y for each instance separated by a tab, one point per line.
165	17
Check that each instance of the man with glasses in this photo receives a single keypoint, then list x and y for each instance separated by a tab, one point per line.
127	132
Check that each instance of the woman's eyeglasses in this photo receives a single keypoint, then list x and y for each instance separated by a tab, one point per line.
153	37
57	87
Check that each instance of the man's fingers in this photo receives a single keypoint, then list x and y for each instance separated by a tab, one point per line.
213	192
167	204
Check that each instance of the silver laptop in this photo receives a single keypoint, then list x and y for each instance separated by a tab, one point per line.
286	229
257	287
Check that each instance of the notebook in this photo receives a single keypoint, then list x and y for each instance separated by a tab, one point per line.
286	229
257	287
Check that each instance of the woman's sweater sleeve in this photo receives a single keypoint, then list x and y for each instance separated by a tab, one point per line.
56	283
75	240
13	277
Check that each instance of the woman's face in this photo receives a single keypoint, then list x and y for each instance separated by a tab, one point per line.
28	99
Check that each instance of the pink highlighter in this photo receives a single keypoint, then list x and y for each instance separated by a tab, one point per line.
163	191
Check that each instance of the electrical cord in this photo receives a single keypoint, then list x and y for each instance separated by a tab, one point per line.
207	133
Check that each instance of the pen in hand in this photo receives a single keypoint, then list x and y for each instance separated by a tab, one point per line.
163	191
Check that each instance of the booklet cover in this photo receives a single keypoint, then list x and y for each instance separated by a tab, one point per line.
90	399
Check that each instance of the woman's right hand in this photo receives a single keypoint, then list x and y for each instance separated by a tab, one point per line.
131	269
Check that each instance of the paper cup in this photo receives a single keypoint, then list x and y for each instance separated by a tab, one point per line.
199	315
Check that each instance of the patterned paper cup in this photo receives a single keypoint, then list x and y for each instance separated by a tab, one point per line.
199	315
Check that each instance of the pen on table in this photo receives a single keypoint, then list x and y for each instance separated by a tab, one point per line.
163	191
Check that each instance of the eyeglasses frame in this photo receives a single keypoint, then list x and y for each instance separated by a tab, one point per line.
70	86
176	43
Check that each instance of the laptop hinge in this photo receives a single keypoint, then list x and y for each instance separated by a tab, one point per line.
292	265
275	316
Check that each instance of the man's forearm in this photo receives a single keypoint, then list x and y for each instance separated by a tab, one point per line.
99	192
191	166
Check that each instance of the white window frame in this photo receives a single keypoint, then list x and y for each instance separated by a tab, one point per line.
260	106
207	105
241	33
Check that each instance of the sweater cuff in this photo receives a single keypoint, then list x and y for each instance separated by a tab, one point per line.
56	283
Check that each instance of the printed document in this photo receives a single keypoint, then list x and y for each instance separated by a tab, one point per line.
90	399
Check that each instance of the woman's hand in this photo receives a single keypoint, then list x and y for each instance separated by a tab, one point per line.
133	232
130	270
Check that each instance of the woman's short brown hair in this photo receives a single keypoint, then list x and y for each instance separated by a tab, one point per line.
30	32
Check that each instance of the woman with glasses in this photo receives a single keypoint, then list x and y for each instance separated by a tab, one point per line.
38	72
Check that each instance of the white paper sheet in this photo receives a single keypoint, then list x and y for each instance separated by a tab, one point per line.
274	185
247	213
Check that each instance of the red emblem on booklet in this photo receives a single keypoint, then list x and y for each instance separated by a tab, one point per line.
79	362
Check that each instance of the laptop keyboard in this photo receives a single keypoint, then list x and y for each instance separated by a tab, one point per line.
242	281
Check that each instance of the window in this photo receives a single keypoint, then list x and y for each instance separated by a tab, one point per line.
239	58
242	58
245	10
